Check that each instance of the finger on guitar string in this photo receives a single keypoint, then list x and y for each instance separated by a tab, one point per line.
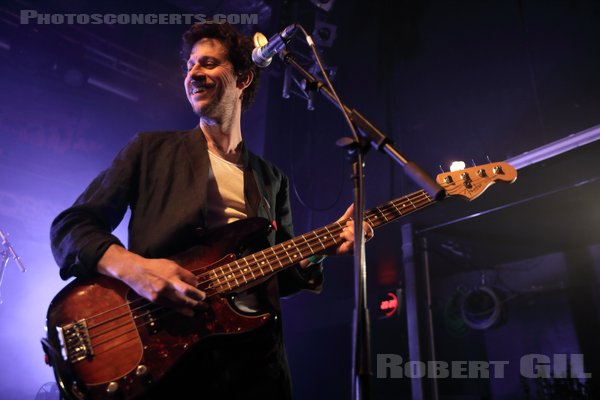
369	232
189	287
181	303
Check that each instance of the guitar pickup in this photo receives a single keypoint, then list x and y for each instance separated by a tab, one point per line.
75	341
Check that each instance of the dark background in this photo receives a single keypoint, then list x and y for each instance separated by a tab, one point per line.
446	80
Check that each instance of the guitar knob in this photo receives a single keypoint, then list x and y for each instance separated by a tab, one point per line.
112	388
481	173
448	179
498	170
78	393
141	370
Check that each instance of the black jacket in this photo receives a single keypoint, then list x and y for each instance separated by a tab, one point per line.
162	178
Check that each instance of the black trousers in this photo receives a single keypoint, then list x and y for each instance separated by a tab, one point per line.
248	366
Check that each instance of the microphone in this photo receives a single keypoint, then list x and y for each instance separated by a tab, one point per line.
263	53
11	251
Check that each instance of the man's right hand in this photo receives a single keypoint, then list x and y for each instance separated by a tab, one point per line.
159	280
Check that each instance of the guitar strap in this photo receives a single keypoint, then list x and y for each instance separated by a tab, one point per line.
255	190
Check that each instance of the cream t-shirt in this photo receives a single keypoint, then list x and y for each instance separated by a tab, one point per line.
226	204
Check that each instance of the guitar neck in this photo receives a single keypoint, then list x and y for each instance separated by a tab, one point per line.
246	270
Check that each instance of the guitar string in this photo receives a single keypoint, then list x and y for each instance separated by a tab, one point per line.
287	250
368	216
90	327
222	277
138	325
382	210
317	234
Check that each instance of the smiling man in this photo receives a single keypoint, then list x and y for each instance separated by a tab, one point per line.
180	183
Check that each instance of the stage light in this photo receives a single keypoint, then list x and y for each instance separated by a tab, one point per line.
324	34
325	5
457	166
482	308
111	88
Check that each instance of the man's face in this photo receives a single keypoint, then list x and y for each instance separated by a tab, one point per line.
210	84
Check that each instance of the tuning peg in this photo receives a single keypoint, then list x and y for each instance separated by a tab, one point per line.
466	180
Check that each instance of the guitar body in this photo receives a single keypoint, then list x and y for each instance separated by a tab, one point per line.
105	339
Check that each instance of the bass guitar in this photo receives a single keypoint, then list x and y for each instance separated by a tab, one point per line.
103	339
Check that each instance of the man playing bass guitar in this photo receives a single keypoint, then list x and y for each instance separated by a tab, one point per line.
179	185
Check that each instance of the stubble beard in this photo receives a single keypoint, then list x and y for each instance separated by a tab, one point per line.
217	110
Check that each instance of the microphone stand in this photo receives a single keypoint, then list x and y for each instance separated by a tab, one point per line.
6	253
3	263
356	148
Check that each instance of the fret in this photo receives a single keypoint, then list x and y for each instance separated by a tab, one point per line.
225	277
382	213
335	236
285	249
309	247
319	239
257	264
241	270
248	267
328	231
232	274
266	261
296	253
244	270
397	209
371	218
276	257
214	276
245	259
413	204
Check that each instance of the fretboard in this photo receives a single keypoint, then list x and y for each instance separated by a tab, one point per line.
244	271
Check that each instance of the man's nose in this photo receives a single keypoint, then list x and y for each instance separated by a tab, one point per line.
196	70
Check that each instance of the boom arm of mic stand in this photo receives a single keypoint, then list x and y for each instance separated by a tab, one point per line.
370	133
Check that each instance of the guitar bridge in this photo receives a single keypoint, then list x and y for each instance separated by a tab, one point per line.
75	341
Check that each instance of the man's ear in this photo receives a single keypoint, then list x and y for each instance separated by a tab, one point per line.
244	80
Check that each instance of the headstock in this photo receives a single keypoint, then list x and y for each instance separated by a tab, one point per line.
471	182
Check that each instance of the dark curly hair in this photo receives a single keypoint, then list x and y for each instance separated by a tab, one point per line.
239	50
